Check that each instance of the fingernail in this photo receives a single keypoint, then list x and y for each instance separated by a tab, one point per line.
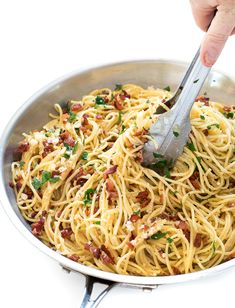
210	57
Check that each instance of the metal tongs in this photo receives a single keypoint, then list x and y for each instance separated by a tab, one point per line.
171	130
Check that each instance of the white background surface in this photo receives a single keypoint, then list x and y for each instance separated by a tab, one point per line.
42	40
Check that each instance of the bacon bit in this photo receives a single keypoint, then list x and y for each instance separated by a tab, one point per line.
67	232
119	99
18	185
206	132
194	180
231	204
28	191
64	135
65	117
70	141
227	108
38	225
23	147
90	170
99	117
33	215
139	156
95	251
48	148
145	227
185	228
142	198
109	171
11	184
76	107
55	173
73	258
131	246
176	271
169	217
85	120
198	240
106	99
232	183
106	255
134	217
111	190
203	99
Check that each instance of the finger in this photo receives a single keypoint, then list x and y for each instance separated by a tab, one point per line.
203	14
217	35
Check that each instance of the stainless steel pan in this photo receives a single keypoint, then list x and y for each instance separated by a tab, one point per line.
34	113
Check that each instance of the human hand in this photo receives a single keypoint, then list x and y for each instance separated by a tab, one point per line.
219	16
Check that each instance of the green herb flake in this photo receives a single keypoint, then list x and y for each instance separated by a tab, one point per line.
75	149
148	101
170	240
176	134
118	87
157	155
167	89
120	114
202	117
199	159
46	176
99	100
191	147
137	213
21	164
228	115
36	183
68	147
87	195
97	222
84	155
213	125
158	235
67	156
72	117
195	81
54	179
123	129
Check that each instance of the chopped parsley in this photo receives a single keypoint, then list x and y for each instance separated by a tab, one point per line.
170	240
66	155
99	100
167	88
215	125
199	159
72	117
148	101
75	148
176	134
137	213
202	117
118	87
123	129
157	155
97	222
46	177
84	155
21	164
87	195
163	167
158	235
228	115
120	113
195	81
191	147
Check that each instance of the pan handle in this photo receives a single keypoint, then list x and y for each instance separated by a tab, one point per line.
87	301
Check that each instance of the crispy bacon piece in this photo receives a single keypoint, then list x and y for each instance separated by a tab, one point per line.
176	271
106	256
109	171
37	226
28	191
73	258
11	184
48	148
142	198
76	107
23	147
66	138
66	233
111	190
206	132
131	246
194	179
95	251
134	218
64	135
65	117
119	99
169	217
231	204
18	185
99	117
185	228
55	173
198	240
227	108
203	99
85	119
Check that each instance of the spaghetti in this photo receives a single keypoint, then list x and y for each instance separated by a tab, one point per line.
81	185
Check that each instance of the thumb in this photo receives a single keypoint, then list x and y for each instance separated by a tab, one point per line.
217	35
